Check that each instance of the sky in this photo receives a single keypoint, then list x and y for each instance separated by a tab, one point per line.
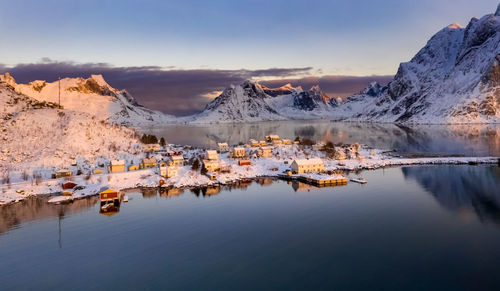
266	40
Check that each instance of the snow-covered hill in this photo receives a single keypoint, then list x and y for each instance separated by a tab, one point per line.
92	96
36	135
455	78
251	101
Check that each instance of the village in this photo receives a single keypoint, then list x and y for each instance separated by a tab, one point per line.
174	166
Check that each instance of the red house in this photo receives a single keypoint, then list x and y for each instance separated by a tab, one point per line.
68	185
244	162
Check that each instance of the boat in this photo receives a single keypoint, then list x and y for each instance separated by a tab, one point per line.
107	206
359	180
125	198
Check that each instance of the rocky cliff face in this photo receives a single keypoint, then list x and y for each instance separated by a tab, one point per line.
245	102
453	79
251	101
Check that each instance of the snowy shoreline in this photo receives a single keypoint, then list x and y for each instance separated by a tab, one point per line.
187	178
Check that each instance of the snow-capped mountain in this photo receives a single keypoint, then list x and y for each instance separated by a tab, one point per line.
455	78
251	101
36	134
93	96
245	102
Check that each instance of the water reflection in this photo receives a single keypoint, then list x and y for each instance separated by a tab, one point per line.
32	209
435	139
466	190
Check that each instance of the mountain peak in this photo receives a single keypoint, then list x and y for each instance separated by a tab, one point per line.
100	80
7	78
497	13
315	88
455	25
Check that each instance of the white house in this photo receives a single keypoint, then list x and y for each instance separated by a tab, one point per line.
168	172
211	165
223	147
211	155
307	165
239	152
177	160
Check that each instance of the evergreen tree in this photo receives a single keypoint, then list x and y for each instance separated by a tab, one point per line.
204	170
162	142
196	165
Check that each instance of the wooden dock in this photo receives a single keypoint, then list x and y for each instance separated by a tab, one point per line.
320	181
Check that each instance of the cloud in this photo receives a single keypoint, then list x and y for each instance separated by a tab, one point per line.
211	95
182	92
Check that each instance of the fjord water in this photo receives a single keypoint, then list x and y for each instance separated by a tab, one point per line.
409	228
469	140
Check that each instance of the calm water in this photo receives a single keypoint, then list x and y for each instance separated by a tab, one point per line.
470	140
409	228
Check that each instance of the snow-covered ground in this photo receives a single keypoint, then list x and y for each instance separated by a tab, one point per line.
260	167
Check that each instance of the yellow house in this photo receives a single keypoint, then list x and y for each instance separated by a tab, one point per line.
98	171
212	176
239	152
271	137
277	142
286	142
148	163
262	143
211	165
254	143
311	165
63	173
117	166
211	155
151	147
133	168
266	152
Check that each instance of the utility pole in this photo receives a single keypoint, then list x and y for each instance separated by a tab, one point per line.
59	92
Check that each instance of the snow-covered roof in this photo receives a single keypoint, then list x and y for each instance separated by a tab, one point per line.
267	148
239	149
210	161
223	144
149	160
211	152
117	162
178	157
311	161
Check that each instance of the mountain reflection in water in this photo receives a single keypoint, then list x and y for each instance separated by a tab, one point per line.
462	189
471	140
